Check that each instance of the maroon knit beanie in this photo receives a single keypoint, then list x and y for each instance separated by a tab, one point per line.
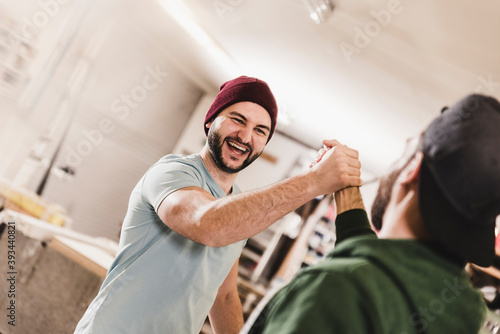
244	89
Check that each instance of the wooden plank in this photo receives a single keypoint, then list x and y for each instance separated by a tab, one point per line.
489	270
78	258
269	158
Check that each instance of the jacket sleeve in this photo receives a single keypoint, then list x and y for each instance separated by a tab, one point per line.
315	303
352	223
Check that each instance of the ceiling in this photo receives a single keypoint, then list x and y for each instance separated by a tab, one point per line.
375	73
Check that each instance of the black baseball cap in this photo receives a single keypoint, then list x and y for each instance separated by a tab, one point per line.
460	178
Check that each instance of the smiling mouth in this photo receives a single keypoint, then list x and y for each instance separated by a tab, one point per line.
238	148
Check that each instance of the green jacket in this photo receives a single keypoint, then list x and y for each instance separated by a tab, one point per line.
370	285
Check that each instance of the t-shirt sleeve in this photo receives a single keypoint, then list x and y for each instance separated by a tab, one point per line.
315	303
166	177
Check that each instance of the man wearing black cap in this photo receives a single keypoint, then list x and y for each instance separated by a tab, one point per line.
182	236
435	211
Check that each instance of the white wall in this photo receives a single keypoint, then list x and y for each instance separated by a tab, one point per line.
193	137
133	107
25	113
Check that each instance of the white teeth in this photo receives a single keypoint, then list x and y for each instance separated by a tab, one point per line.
241	148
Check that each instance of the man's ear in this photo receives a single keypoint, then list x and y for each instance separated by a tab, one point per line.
411	172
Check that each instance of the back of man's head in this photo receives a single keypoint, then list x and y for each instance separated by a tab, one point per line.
459	190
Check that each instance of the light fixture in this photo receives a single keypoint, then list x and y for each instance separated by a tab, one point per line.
320	10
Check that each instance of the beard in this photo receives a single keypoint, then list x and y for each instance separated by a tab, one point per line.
383	198
215	144
413	145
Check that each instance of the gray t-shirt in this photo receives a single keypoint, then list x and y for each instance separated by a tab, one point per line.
160	281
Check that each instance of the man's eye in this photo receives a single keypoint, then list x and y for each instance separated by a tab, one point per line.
260	131
237	120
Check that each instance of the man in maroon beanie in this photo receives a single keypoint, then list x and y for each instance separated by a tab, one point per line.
187	223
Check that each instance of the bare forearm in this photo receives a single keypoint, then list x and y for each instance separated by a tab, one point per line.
351	221
199	216
241	216
348	199
226	315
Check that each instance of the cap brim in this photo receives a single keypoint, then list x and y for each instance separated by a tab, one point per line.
471	241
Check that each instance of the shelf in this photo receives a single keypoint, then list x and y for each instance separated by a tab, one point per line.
16	59
251	255
492	271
